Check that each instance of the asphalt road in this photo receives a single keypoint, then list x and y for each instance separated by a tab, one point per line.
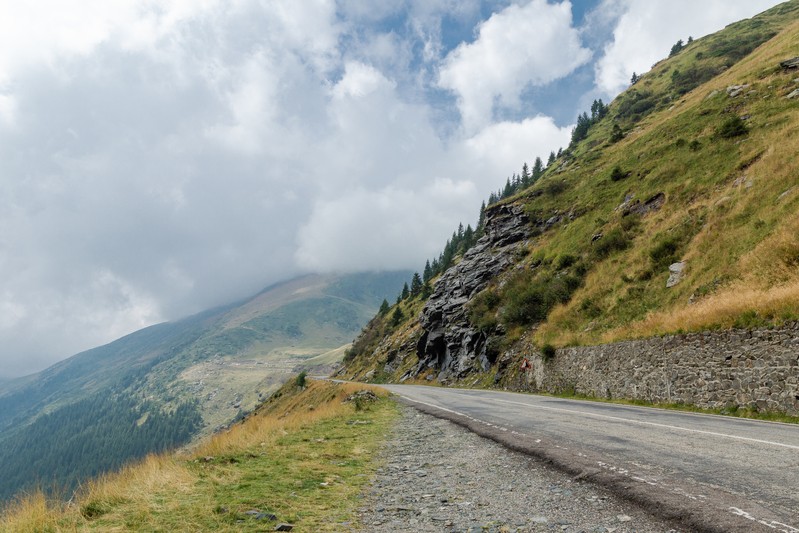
709	473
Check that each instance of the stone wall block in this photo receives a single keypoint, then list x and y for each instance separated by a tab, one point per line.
752	369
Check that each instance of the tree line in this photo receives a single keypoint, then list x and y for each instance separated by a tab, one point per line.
62	449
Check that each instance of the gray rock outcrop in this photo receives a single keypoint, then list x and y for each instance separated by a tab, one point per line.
675	274
790	64
450	343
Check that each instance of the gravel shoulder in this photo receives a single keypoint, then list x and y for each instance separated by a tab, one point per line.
438	476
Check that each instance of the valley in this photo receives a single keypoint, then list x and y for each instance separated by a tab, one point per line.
212	368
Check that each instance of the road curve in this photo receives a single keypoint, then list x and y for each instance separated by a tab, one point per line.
710	473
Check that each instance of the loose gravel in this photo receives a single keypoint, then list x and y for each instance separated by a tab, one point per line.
437	476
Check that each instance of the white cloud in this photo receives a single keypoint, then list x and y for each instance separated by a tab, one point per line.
647	30
49	31
517	47
372	229
158	158
506	144
7	109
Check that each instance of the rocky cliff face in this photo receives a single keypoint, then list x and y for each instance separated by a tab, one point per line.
450	343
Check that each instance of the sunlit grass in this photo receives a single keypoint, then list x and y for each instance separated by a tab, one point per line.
303	457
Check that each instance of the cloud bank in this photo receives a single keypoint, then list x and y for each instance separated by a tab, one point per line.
159	158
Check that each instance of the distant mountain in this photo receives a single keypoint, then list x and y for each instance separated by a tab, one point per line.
675	208
164	385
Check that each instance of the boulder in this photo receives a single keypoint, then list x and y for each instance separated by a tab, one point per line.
652	204
675	274
790	64
735	90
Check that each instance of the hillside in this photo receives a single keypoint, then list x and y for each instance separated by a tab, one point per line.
674	209
164	385
274	467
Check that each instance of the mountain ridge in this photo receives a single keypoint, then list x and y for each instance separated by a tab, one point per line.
673	210
210	368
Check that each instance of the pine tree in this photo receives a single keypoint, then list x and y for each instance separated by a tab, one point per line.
396	317
580	131
634	79
383	308
551	159
427	273
427	290
526	177
538	169
405	292
416	284
508	190
468	238
678	46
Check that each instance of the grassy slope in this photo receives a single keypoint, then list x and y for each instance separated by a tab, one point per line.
727	213
227	359
731	212
303	456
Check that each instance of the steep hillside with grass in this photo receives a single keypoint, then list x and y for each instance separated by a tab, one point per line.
676	208
301	458
165	385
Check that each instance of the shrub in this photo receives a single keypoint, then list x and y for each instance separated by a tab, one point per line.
617	174
616	134
664	253
614	241
555	187
528	300
483	310
300	380
694	145
732	127
548	352
565	261
685	81
590	309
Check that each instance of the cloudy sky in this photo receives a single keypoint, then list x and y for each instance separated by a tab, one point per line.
161	157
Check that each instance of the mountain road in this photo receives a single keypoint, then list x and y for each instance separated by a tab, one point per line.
706	472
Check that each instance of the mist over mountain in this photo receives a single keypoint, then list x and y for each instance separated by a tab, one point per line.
165	385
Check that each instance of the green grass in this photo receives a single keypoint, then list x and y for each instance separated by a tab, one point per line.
304	457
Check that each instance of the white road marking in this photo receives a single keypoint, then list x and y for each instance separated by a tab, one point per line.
784	528
656	424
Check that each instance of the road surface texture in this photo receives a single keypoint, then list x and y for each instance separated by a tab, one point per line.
437	476
706	472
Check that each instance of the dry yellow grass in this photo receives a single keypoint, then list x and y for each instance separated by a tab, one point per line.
723	310
163	492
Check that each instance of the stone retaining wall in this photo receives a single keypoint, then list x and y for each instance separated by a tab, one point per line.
757	369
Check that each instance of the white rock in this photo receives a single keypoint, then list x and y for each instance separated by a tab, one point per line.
675	274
